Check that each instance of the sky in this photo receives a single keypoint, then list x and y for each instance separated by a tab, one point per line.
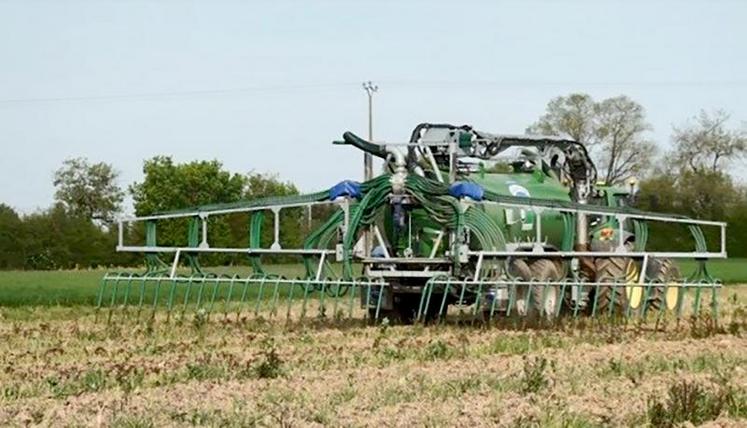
266	86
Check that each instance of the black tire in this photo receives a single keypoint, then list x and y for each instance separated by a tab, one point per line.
536	301
662	272
612	299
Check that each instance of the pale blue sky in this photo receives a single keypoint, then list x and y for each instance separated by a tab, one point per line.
269	84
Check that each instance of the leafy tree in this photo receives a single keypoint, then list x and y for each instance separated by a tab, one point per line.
623	152
736	233
572	115
57	238
11	238
706	195
613	130
706	144
264	185
694	181
89	190
169	186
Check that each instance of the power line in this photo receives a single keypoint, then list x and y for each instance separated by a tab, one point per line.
643	83
401	83
168	94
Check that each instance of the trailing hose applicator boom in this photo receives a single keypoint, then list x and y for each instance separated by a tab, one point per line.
538	242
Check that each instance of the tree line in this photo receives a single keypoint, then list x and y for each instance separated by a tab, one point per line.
694	177
79	229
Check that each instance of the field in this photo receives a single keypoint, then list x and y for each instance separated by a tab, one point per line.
62	366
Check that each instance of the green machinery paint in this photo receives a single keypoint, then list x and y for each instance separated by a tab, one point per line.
536	239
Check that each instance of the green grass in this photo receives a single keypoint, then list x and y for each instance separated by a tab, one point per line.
730	271
71	288
81	287
66	288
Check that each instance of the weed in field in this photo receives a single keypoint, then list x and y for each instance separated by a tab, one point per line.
691	402
534	379
394	394
520	344
733	299
459	387
149	326
238	416
704	326
271	365
634	372
10	392
511	345
90	381
113	331
382	330
553	418
128	378
306	338
275	405
93	380
204	371
390	354
200	318
734	328
738	321
342	396
437	350
614	333
615	367
132	422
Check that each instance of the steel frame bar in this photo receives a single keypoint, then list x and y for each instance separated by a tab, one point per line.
552	207
159	249
221	211
570	254
508	282
250	280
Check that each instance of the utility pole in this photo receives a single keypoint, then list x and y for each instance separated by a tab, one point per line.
370	89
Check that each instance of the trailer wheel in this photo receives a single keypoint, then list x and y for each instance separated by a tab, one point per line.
613	270
535	300
666	291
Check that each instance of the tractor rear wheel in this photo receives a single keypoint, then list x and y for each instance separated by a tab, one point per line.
664	293
619	271
537	300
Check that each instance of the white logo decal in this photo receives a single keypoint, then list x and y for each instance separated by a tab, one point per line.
522	192
518	190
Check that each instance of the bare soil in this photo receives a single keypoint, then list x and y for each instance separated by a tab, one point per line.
72	370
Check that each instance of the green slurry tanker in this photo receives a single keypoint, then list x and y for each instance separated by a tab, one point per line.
460	225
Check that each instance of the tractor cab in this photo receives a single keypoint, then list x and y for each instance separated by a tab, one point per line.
617	196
